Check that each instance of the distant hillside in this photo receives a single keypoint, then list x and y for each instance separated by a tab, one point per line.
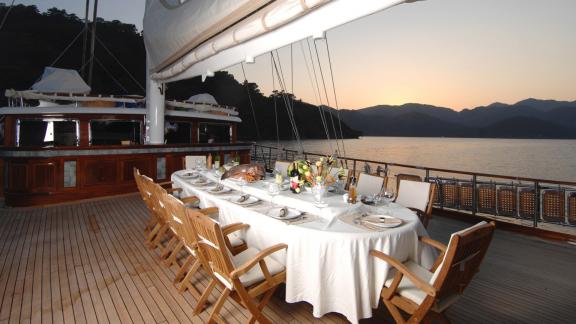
32	40
530	118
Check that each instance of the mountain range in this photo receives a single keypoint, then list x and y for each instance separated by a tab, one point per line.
530	118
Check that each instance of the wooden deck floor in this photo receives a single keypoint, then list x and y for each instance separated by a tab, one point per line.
86	262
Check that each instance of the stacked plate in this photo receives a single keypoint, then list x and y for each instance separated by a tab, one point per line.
381	221
244	200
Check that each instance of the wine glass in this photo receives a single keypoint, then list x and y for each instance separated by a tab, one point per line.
273	191
318	190
388	196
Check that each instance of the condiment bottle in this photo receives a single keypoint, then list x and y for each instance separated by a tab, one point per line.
352	191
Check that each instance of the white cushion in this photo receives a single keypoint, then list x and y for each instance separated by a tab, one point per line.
235	240
369	184
407	288
437	272
413	194
282	167
255	274
191	161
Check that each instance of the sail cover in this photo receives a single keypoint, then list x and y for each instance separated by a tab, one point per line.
60	81
185	39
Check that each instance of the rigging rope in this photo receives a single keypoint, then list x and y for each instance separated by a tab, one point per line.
275	106
335	97
67	47
251	104
317	88
109	74
327	100
6	15
289	109
121	65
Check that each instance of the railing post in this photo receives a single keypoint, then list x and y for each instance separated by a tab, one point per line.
474	196
537	211
354	169
427	175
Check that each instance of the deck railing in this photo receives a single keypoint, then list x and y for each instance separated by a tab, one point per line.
537	200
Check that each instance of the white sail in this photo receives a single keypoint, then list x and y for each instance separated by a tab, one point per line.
185	39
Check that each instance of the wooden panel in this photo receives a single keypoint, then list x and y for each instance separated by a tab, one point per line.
2	172
43	176
99	172
18	176
144	164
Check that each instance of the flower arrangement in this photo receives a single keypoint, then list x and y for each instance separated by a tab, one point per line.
303	173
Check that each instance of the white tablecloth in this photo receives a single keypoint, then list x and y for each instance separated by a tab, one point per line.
327	260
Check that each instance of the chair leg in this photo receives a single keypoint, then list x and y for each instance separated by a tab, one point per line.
151	223
168	248
152	234
157	241
215	314
204	298
394	312
183	269
174	254
263	302
187	281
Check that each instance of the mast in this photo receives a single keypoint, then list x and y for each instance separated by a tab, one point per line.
93	44
85	42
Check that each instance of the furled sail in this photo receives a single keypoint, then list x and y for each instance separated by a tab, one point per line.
185	39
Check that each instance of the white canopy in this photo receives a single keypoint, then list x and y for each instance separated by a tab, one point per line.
61	81
203	98
200	37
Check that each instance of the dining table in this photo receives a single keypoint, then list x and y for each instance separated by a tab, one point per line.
327	260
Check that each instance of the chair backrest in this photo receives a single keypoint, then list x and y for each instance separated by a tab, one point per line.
212	246
414	194
174	211
191	161
462	259
156	193
282	167
370	184
405	176
142	188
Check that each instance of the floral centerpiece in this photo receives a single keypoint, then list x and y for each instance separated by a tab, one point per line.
303	173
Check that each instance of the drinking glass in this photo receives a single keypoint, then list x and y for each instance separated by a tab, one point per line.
387	196
318	190
273	191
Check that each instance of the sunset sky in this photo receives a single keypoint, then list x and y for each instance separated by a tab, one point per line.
452	53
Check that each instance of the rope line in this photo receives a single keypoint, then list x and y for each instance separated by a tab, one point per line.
121	65
335	97
326	94
251	104
275	106
320	110
109	74
67	47
7	13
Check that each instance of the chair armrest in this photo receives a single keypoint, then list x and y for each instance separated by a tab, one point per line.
209	210
165	183
190	199
424	286
233	228
170	190
433	243
256	259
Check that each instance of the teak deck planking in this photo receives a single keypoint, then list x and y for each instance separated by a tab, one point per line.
86	263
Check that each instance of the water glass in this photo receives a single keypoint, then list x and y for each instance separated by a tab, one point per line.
387	196
273	190
318	190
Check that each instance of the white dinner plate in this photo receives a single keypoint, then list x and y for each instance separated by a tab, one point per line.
250	201
190	175
291	213
200	182
382	221
219	192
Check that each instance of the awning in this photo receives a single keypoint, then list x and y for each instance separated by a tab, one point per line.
203	36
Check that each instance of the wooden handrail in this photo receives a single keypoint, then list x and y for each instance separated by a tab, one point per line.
478	174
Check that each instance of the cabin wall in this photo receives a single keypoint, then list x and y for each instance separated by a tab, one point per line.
46	180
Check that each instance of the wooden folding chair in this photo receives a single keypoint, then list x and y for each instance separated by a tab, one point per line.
419	197
243	277
425	294
183	231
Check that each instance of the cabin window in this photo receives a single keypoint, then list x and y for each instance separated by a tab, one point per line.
214	133
115	132
178	133
1	130
47	132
